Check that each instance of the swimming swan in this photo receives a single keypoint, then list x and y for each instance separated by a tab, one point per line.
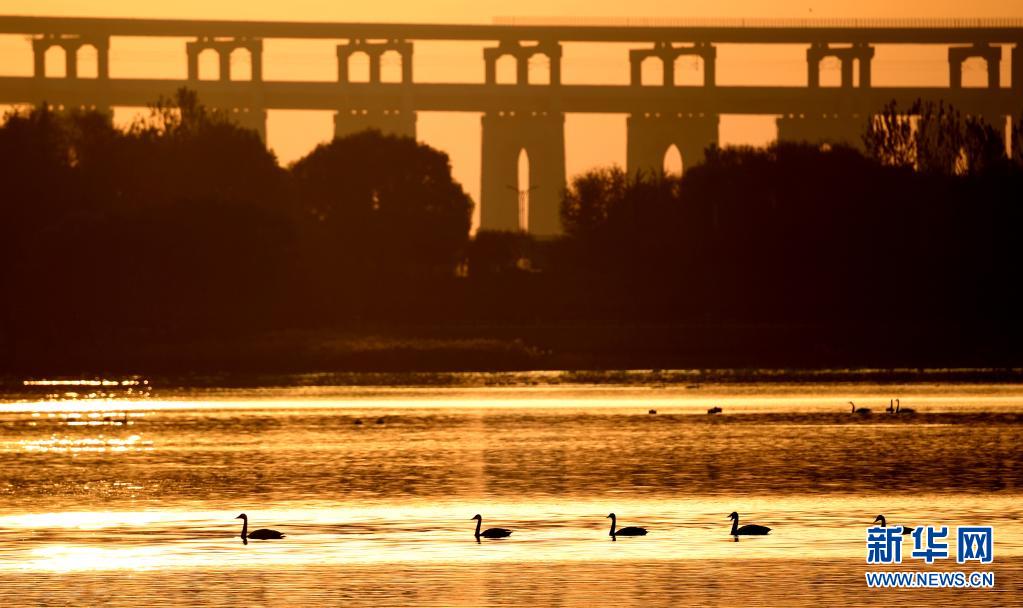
628	531
260	534
748	529
489	532
862	411
899	410
880	519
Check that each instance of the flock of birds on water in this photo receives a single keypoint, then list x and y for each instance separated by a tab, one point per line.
497	533
894	408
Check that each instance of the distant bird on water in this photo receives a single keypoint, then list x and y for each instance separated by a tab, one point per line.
903	410
260	534
714	410
891	406
862	411
748	529
489	532
880	519
628	531
652	412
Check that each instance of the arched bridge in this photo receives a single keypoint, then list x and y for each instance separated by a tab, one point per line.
528	115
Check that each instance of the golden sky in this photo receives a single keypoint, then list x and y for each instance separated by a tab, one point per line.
590	139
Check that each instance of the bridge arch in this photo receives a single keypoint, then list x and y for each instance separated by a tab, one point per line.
539	69
522	151
652	72
523	58
56	59
975	73
391	66
208	65
87	58
506	70
358	66
241	64
673	164
522	188
651	137
829	72
689	70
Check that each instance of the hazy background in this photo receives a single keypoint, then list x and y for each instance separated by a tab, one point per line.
590	139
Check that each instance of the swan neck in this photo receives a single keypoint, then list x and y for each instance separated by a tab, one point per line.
612	532
479	523
735	526
245	528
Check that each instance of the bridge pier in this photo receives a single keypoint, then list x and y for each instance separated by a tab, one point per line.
650	135
249	118
668	53
1017	66
862	54
71	46
224	48
401	122
374	50
505	135
359	116
522	54
845	129
992	55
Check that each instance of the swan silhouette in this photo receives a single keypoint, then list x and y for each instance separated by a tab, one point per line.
489	532
903	410
862	411
891	406
884	524
260	534
627	531
714	410
748	529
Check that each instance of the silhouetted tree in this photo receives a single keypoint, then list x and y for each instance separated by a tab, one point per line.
385	205
498	253
935	138
794	233
588	201
890	138
184	227
180	223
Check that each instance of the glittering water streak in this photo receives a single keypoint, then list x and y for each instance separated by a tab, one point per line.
142	497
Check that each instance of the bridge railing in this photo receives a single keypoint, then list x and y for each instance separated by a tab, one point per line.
803	23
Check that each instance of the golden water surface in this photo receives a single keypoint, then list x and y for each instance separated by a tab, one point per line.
125	493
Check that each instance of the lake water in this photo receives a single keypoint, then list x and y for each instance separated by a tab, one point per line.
126	494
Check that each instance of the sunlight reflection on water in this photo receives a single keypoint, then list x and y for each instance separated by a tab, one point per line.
375	487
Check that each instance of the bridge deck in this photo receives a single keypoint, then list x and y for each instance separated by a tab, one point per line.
481	97
736	31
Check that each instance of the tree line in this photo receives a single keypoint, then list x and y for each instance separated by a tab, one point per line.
184	226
